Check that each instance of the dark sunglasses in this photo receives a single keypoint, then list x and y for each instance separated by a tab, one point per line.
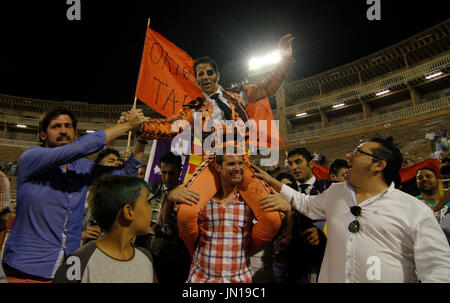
354	226
358	150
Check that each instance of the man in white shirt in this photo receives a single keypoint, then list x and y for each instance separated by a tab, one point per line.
376	233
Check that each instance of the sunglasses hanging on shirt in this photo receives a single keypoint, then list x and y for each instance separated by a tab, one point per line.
354	226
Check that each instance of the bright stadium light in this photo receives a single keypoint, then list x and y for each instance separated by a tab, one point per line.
383	92
21	125
433	75
301	114
259	62
338	105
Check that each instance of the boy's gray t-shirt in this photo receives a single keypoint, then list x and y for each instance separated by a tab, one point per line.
2	275
95	266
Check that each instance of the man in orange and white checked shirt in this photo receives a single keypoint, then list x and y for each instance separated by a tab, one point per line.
222	250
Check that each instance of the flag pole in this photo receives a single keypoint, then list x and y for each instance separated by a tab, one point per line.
134	103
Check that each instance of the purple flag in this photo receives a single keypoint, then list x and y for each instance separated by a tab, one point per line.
159	148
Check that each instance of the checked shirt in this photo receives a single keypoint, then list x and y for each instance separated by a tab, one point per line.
221	255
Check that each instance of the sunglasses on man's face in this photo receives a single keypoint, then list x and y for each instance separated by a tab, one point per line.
354	226
358	150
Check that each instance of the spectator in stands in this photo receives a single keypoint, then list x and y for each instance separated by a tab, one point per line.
372	223
171	257
338	169
428	185
119	205
5	206
442	132
308	242
12	169
283	239
430	136
440	147
52	182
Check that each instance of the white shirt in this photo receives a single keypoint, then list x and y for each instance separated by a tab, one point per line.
399	240
217	115
311	181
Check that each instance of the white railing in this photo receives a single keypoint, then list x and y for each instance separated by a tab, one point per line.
351	94
402	114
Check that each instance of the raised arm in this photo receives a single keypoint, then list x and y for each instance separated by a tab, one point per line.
272	83
134	120
310	206
37	160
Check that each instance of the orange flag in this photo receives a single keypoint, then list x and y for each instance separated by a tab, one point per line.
166	82
261	110
166	77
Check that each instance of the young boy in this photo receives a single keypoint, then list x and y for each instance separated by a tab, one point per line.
119	206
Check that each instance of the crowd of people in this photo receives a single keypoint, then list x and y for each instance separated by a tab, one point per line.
83	221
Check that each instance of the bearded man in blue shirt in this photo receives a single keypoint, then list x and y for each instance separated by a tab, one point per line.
52	182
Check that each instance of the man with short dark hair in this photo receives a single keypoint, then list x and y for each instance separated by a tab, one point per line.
108	157
428	185
305	252
338	169
119	205
52	182
171	258
376	233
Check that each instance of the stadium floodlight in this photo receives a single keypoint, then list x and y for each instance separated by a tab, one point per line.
338	105
21	125
433	75
258	62
301	114
383	92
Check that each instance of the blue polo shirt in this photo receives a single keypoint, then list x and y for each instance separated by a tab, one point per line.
50	203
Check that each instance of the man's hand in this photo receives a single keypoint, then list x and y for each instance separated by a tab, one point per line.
311	236
183	194
275	202
93	233
263	175
285	45
134	117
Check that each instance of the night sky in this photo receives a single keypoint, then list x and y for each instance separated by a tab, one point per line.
43	55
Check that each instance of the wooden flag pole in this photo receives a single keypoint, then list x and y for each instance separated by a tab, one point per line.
134	105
